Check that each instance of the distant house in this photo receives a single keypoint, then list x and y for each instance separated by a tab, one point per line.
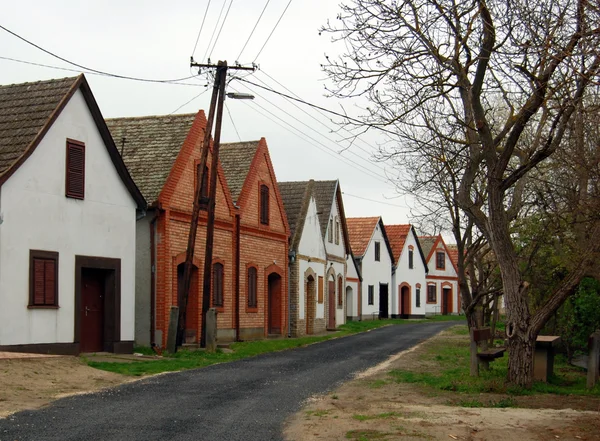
318	250
353	289
443	294
67	223
408	279
374	257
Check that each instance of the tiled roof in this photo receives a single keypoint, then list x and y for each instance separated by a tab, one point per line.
360	231
427	243
324	192
397	236
236	158
294	195
25	110
453	254
149	146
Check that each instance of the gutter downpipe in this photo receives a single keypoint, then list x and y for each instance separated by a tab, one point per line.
237	279
291	261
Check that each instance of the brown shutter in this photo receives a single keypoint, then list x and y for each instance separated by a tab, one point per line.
252	287
75	170
50	282
264	205
39	280
218	284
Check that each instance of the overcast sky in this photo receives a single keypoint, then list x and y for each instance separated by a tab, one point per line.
154	39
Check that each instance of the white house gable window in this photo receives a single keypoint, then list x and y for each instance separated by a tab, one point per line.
377	251
410	259
440	260
75	179
43	279
330	231
337	231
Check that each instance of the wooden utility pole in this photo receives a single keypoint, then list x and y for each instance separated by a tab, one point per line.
217	101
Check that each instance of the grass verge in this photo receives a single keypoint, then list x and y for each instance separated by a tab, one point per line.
190	359
448	370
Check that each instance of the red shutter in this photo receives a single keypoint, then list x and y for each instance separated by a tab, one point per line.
75	171
38	281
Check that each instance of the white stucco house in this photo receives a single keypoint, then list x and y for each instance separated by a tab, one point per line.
408	278
374	258
67	223
318	250
442	291
353	289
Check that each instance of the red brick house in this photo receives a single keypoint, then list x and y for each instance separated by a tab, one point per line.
162	154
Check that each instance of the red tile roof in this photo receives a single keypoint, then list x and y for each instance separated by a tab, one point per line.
397	236
453	254
360	230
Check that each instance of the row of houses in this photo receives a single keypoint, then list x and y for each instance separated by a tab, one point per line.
94	221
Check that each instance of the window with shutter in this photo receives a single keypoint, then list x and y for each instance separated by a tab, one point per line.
43	279
337	231
75	179
371	298
218	284
340	292
410	259
418	298
377	251
440	261
264	205
330	231
252	282
431	294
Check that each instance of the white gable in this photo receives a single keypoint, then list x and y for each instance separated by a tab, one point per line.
311	242
337	245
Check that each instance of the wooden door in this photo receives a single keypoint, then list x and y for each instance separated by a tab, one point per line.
446	301
405	293
92	310
331	304
274	304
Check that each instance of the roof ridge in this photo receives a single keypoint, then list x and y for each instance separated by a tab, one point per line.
52	80
131	118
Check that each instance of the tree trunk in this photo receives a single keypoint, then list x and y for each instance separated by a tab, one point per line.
520	360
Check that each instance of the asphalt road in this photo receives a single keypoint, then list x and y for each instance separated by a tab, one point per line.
243	400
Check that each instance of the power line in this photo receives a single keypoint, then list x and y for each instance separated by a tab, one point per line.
319	144
125	77
201	27
31	63
315	130
269	37
219	34
373	200
231	118
252	33
214	30
349	118
187	102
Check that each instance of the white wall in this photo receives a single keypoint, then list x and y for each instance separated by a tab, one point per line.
37	215
413	277
311	245
374	273
351	273
337	250
440	277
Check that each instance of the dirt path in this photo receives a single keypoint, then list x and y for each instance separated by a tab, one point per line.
32	382
374	408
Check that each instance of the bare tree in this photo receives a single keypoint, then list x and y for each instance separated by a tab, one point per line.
435	69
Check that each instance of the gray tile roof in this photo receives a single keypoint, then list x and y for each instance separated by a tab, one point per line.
295	196
149	146
236	158
427	243
25	111
324	194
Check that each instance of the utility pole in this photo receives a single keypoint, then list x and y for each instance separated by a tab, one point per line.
217	101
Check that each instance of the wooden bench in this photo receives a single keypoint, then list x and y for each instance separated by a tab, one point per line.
487	355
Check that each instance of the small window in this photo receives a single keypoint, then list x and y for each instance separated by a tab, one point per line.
371	298
377	251
418	297
320	295
431	294
340	292
218	284
337	231
43	279
330	231
410	259
440	260
204	195
252	281
75	179
264	205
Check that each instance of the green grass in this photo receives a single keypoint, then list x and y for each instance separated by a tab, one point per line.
380	416
452	358
190	359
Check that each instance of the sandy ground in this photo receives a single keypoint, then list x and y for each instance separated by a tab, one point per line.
373	408
32	382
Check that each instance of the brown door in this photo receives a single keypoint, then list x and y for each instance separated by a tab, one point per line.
92	309
331	296
405	301
446	301
274	304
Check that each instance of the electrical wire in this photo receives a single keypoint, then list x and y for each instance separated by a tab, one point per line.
269	37
213	32
201	27
125	77
31	63
349	118
231	118
219	34
187	102
373	200
253	29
